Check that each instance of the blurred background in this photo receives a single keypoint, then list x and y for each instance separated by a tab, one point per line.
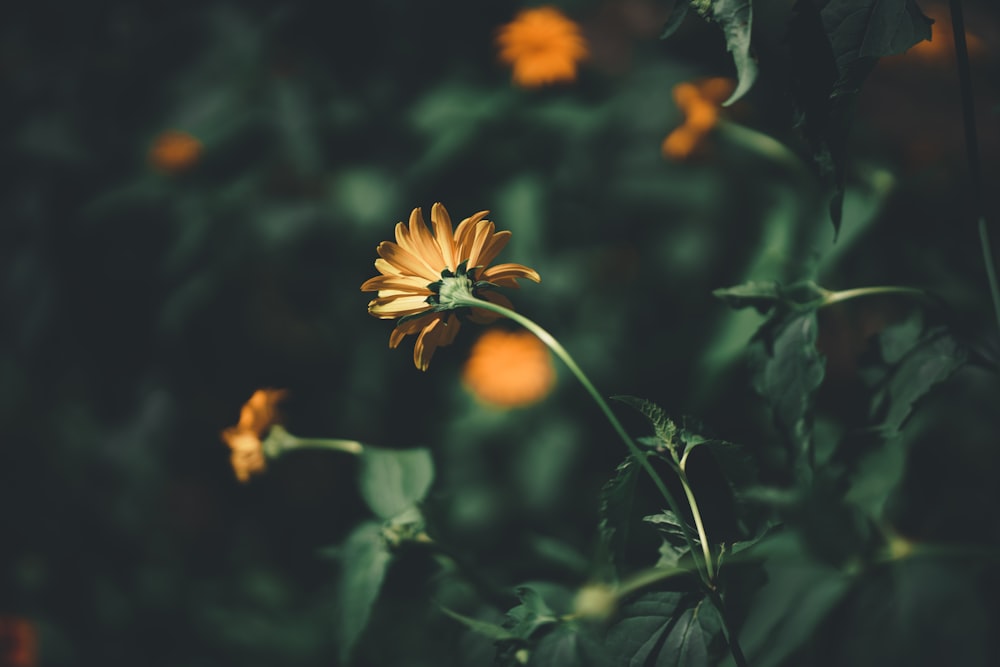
193	195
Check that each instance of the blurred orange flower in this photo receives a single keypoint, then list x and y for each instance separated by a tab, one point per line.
700	104
174	151
257	416
543	47
940	49
421	271
18	642
509	369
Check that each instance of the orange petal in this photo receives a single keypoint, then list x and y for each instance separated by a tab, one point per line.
505	275
443	234
403	259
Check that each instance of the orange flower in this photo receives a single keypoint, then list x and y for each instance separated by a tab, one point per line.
256	417
425	277
509	369
174	151
542	45
18	642
700	104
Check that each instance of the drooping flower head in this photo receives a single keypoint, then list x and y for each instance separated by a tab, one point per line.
174	151
257	416
543	47
509	369
427	280
700	104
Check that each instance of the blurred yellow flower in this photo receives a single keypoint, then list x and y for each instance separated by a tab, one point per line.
257	416
700	105
174	151
509	369
543	47
424	274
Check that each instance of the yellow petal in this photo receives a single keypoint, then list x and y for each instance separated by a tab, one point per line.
443	234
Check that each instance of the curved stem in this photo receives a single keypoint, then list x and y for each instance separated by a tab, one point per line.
706	550
764	145
280	441
554	345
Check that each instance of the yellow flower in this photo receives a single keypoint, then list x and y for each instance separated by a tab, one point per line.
174	151
509	369
700	104
542	45
425	277
257	416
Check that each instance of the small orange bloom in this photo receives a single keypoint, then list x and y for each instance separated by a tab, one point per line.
543	47
174	151
257	416
421	273
509	369
18	642
700	104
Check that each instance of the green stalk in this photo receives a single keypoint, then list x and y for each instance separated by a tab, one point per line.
848	294
280	441
707	575
972	147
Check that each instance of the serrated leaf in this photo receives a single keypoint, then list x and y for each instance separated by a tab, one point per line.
615	510
674	546
365	557
664	429
787	371
393	480
485	628
524	619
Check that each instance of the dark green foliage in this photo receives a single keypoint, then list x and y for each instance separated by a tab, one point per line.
665	629
616	512
833	46
364	559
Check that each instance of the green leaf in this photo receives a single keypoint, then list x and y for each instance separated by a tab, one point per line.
531	614
635	637
785	611
365	557
666	629
675	545
491	630
695	640
675	19
615	511
393	480
933	358
734	17
765	296
833	45
787	371
664	429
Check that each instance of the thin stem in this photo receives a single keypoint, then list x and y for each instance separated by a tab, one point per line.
280	441
561	352
847	294
972	147
699	524
762	144
707	575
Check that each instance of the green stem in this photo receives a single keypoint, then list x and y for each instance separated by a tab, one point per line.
972	147
706	570
699	524
707	574
762	144
280	441
847	294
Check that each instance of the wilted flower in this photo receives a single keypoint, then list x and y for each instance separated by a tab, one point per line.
174	151
509	369
700	105
542	45
426	279
257	416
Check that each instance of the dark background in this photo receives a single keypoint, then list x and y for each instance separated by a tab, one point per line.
141	308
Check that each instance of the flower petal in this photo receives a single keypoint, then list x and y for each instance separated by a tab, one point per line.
505	275
434	335
404	329
465	234
394	306
443	234
484	229
405	260
494	244
412	284
483	316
